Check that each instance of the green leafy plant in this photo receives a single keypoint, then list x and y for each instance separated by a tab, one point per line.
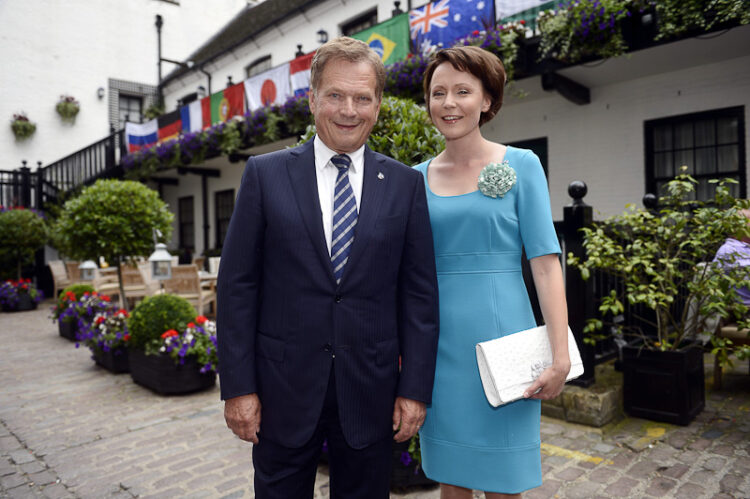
403	131
22	127
584	28
154	111
662	255
23	232
68	296
676	17
113	219
154	316
67	107
503	41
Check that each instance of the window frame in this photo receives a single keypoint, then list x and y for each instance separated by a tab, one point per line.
257	62
218	195
182	224
370	16
649	127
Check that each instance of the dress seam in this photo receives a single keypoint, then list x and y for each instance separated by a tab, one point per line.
502	449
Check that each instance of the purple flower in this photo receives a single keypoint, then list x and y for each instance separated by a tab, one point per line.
405	458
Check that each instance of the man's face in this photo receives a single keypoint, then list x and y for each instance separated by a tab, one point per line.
345	105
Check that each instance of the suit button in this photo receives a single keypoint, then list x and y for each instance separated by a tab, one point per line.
328	347
337	299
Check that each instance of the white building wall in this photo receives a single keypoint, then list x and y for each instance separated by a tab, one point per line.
49	48
280	42
603	143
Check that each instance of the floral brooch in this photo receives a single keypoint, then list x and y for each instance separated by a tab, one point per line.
496	179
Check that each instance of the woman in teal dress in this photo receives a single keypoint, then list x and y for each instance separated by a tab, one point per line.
487	202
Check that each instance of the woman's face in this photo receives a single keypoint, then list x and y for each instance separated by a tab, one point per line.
457	100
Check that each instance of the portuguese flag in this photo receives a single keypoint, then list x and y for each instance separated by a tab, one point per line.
221	106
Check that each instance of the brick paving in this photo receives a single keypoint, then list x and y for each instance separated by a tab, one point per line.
71	429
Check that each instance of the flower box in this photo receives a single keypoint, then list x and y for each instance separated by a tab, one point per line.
114	361
68	329
161	374
663	386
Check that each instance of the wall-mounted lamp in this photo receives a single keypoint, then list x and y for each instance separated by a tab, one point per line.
100	92
299	52
322	36
201	91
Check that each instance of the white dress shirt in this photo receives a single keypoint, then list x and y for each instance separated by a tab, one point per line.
326	174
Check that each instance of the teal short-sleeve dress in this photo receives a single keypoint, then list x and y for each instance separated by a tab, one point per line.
478	242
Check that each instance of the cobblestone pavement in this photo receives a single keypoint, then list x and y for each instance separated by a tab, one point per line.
71	429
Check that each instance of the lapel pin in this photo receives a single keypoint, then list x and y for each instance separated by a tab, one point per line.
381	176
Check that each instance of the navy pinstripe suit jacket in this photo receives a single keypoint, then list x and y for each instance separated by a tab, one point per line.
283	322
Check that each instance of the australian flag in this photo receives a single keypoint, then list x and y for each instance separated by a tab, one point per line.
444	21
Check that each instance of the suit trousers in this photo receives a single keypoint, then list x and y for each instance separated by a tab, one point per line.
289	473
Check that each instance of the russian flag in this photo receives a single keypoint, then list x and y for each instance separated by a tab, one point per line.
299	74
192	117
141	135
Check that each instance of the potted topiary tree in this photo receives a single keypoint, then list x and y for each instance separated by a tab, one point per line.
660	257
114	219
23	232
170	350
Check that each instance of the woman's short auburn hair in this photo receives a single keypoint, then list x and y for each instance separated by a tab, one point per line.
486	66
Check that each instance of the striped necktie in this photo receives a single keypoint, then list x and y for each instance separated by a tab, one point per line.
344	216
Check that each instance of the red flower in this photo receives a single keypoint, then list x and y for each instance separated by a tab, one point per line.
475	32
69	295
123	312
522	21
105	298
86	293
100	319
409	55
126	337
200	319
191	324
169	334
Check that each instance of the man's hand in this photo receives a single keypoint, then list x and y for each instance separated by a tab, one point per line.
242	415
408	416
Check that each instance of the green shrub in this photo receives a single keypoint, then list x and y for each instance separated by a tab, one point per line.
155	315
23	232
74	292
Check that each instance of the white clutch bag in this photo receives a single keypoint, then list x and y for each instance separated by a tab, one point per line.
509	365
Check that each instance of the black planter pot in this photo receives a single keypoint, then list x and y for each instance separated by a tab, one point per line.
160	374
406	475
664	386
114	361
68	329
25	302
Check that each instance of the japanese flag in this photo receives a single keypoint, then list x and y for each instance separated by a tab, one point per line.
271	87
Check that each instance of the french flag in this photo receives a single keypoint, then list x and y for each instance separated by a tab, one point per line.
141	135
299	74
192	117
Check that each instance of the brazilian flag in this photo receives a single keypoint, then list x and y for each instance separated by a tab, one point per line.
390	39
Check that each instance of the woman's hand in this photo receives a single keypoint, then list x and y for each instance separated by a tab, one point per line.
550	383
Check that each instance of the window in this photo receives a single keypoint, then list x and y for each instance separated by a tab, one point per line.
186	222
224	208
711	144
360	23
258	66
130	108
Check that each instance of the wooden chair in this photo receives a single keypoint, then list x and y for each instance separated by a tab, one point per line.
199	261
186	283
738	337
74	273
133	283
60	279
105	282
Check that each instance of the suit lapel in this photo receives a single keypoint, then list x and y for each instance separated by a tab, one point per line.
374	184
301	168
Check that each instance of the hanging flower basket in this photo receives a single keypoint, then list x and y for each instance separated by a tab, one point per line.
22	127
67	107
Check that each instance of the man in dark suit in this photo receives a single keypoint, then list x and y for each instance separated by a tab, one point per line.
327	316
